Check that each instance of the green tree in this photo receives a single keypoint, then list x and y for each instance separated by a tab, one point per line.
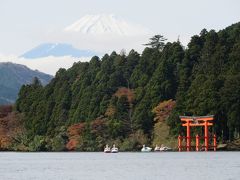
157	42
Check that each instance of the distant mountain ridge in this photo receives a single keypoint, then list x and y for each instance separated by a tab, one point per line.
57	50
13	76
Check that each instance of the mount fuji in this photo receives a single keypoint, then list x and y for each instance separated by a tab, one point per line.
98	33
106	24
57	50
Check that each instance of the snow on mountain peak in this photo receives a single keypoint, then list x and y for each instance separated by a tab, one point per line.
106	24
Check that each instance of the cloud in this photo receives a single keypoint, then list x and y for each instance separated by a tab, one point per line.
102	44
49	65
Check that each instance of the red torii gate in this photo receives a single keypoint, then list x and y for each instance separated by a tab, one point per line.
196	121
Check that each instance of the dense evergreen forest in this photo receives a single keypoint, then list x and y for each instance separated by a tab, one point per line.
121	97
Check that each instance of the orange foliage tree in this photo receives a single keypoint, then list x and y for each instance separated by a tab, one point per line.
163	110
74	133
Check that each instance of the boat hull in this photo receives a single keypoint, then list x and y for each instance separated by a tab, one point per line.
107	151
114	152
146	150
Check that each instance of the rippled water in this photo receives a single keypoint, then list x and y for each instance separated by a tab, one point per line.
121	166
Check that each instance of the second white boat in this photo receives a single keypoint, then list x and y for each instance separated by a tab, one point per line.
114	149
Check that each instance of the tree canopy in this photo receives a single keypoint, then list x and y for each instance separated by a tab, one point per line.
157	42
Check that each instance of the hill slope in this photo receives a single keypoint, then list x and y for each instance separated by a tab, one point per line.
13	76
111	100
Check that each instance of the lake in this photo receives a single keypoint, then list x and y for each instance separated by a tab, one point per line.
121	166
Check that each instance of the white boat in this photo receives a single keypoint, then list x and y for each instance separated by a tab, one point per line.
146	149
107	149
165	148
114	149
157	148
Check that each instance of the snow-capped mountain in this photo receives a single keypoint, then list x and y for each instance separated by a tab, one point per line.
57	50
106	24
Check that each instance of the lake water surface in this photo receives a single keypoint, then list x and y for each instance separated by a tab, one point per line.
121	166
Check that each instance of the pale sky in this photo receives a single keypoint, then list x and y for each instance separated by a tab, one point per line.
28	23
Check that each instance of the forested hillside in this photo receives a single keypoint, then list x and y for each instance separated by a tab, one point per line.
114	99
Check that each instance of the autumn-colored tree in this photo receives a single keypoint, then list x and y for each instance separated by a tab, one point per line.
76	129
74	133
163	110
11	126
